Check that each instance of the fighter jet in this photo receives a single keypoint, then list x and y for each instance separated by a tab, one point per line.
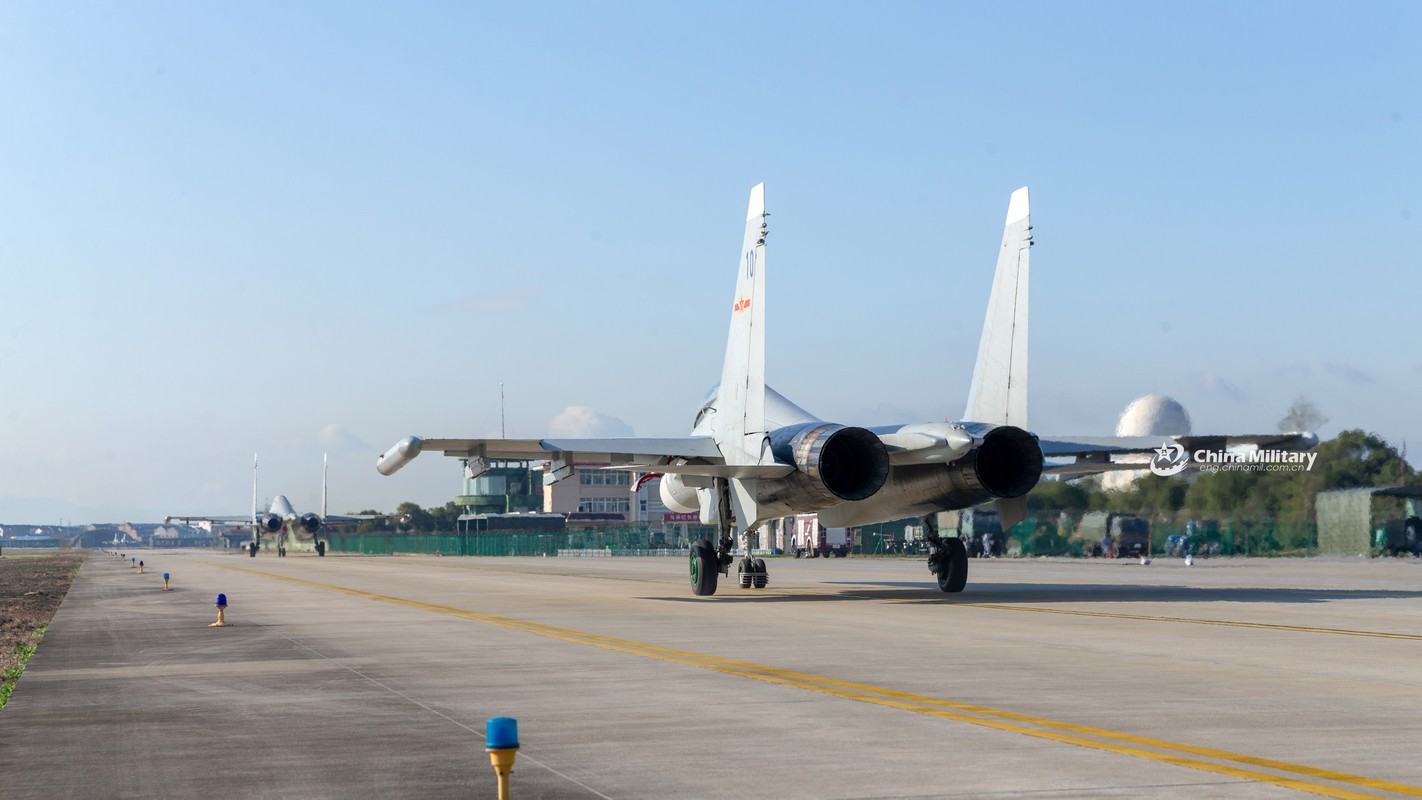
282	521
754	456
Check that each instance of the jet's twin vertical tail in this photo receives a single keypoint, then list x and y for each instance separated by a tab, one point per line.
740	406
254	491
999	391
998	395
739	424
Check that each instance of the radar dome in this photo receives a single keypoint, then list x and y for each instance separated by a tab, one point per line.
1154	415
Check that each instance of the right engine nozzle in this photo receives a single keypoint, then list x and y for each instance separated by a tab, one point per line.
271	523
1008	463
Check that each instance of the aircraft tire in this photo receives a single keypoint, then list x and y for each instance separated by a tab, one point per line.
704	568
761	577
954	575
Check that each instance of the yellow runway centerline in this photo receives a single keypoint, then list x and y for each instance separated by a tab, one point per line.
1196	621
1295	776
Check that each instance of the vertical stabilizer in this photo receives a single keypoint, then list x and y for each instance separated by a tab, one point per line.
740	406
999	392
254	491
324	467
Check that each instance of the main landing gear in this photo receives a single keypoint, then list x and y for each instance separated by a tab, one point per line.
708	562
947	559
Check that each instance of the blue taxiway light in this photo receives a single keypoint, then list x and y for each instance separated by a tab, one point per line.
501	733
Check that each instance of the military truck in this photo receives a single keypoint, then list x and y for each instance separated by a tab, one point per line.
971	525
1130	535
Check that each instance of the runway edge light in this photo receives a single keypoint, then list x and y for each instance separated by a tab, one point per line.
166	587
501	742
221	612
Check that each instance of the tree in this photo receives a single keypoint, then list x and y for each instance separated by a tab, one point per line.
446	517
1058	496
411	517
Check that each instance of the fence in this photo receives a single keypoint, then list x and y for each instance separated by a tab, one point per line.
521	543
1042	538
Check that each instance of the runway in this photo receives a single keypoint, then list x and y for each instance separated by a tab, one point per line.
846	678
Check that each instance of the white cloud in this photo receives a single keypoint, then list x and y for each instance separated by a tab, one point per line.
337	437
585	422
1212	382
1349	373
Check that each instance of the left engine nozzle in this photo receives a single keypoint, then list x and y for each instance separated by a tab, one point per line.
271	523
310	523
837	462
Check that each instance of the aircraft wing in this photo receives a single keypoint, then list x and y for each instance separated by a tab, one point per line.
190	518
1094	454
350	519
1061	446
630	450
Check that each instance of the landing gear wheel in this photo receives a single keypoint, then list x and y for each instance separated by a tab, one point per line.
704	568
953	569
744	572
762	577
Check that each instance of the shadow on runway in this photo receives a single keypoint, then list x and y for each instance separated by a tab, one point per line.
1042	593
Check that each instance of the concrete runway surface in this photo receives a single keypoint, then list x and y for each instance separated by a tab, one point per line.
353	677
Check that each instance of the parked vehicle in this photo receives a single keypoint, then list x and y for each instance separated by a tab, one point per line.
972	525
1114	535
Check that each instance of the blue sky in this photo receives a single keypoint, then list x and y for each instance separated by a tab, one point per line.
297	228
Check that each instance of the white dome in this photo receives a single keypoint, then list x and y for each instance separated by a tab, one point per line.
1154	415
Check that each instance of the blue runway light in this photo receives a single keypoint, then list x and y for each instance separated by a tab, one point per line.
165	576
501	733
222	599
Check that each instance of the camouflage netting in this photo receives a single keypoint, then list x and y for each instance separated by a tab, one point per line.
1344	518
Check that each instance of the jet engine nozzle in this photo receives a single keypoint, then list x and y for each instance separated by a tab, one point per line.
1008	463
837	462
310	523
271	523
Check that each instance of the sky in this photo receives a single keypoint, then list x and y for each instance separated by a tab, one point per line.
303	228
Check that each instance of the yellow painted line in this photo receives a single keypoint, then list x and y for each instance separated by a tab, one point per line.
1195	621
1041	728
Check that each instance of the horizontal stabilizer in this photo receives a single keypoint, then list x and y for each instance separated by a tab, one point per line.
1010	511
583	449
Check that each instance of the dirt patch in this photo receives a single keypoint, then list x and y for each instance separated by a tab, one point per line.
31	589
